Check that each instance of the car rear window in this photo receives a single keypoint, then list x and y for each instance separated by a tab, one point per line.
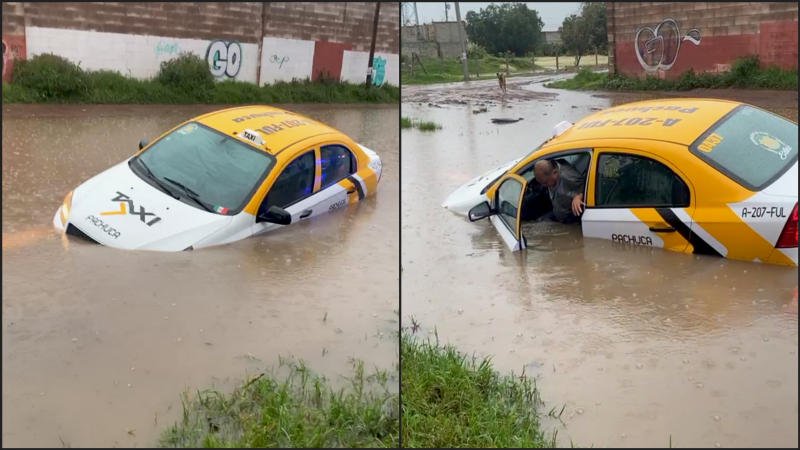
752	146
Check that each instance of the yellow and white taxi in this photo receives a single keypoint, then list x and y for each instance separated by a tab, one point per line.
221	177
690	175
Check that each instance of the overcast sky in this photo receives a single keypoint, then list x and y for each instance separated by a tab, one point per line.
552	13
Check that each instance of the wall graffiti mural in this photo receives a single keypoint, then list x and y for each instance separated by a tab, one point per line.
224	58
378	70
167	48
13	50
657	49
279	60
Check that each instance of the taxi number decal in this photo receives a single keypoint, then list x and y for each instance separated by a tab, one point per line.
628	239
626	121
274	128
96	221
337	205
710	142
762	211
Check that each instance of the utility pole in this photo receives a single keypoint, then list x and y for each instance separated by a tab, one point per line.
463	40
372	46
416	20
446	7
261	44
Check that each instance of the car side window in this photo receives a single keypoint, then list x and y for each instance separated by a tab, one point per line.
295	183
636	181
507	202
337	163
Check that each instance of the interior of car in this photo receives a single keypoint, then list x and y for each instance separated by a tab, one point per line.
536	200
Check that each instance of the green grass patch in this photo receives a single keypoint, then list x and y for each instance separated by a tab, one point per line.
454	400
184	80
406	122
744	73
296	409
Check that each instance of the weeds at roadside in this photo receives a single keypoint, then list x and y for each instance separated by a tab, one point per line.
453	400
745	73
48	78
406	122
299	409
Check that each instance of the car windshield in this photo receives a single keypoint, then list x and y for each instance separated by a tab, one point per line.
204	168
752	146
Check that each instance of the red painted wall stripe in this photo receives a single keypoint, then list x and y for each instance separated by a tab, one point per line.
328	59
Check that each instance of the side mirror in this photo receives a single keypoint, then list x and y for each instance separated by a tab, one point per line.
275	214
479	212
143	143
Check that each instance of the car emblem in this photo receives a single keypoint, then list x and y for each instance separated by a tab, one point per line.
770	143
126	207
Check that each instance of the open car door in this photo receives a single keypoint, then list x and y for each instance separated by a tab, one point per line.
504	211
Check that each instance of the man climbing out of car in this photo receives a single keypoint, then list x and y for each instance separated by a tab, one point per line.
565	186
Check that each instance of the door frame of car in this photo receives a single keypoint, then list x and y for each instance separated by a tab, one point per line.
653	226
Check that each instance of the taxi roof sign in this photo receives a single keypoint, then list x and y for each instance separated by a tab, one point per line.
253	136
561	127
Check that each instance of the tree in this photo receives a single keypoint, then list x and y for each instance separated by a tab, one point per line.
509	27
585	31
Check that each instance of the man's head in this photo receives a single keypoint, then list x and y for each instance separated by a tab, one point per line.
546	172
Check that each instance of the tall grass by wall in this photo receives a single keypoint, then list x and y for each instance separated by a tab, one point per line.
49	78
745	73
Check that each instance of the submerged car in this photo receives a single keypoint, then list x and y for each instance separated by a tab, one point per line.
218	178
690	175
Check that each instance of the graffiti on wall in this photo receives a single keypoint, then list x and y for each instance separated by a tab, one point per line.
167	48
657	48
224	58
378	70
278	59
13	50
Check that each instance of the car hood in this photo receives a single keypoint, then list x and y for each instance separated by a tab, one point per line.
118	209
469	194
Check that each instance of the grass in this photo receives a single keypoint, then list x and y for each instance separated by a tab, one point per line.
435	70
744	73
454	400
406	122
185	80
300	409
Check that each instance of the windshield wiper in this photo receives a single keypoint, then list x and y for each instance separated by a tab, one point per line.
190	193
155	179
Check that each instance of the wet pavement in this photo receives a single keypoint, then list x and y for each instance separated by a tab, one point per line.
641	347
99	343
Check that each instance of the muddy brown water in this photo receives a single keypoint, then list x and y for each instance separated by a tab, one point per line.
99	343
641	347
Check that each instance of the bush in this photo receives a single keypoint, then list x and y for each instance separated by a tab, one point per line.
188	73
475	51
53	77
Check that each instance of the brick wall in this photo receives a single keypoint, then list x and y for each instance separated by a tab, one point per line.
133	38
725	31
346	22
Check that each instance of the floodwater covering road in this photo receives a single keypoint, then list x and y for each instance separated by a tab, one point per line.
98	343
641	347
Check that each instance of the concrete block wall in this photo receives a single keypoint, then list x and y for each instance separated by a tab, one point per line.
300	39
703	36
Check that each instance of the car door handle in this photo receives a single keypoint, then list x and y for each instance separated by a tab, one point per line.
662	229
351	191
305	213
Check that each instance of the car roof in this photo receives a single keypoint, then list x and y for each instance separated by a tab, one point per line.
278	128
680	121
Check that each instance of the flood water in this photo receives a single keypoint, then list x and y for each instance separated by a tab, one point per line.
99	343
641	347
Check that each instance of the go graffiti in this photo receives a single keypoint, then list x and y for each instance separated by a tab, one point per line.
224	58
